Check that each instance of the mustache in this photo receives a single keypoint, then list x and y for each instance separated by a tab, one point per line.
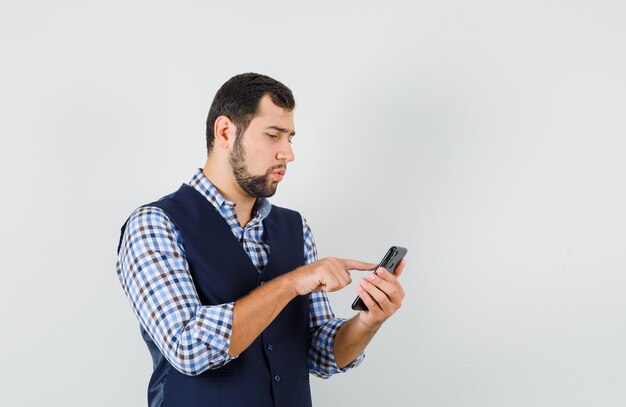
278	167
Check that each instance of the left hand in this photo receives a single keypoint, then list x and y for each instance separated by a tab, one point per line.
383	295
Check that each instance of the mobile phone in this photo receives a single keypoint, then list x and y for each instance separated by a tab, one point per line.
389	262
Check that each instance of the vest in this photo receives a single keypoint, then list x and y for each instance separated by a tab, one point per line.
273	370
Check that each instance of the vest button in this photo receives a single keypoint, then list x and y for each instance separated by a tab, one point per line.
277	378
262	282
270	347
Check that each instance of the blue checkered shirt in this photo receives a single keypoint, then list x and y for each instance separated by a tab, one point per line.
154	273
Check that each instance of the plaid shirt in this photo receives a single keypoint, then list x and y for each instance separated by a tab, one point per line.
154	273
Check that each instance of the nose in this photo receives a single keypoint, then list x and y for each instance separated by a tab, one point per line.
286	152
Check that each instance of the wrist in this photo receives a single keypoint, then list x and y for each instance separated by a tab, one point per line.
366	324
299	281
290	283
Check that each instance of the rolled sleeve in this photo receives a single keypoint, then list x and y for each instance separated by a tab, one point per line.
323	323
322	361
214	328
153	270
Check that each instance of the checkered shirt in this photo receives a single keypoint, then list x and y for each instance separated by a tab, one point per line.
154	273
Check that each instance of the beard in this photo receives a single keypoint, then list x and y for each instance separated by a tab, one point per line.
258	186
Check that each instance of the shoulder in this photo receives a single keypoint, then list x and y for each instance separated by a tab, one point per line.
147	216
149	223
149	228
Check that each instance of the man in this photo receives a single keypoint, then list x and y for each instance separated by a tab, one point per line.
227	287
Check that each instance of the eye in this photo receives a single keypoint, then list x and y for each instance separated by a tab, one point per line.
272	135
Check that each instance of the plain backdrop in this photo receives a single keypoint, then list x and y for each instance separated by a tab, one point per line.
488	137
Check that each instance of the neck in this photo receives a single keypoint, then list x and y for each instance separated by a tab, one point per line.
226	184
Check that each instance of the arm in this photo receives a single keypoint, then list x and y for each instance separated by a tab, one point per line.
254	312
324	325
383	295
154	274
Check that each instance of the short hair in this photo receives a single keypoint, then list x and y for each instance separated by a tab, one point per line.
238	99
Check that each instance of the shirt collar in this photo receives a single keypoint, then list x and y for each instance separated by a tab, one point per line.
202	184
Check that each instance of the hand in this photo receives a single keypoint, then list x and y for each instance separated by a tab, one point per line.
328	274
383	295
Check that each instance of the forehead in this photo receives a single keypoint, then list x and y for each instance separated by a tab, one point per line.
269	114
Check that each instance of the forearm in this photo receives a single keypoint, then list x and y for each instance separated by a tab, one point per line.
254	312
351	340
382	294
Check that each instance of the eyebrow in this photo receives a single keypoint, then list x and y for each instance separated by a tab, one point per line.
281	129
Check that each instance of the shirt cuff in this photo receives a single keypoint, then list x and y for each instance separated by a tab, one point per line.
215	327
322	361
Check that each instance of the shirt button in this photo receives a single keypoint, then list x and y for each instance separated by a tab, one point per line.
262	282
277	378
270	347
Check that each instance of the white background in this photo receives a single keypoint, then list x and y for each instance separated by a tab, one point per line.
487	137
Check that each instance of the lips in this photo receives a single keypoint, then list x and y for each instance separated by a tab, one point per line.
278	175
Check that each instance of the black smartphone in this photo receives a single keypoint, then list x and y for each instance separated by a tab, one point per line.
389	262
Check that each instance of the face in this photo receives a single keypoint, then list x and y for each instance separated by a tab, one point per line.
259	156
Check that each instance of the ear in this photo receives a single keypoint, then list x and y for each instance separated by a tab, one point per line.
225	131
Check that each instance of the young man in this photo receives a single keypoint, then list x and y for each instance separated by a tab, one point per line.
227	287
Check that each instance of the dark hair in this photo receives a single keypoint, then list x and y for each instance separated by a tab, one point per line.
238	99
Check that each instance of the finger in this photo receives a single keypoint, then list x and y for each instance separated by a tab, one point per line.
358	265
336	280
393	291
343	276
385	274
400	289
400	268
319	288
380	297
392	278
368	300
338	271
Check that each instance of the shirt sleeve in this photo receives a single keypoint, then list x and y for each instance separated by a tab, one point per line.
323	323
153	270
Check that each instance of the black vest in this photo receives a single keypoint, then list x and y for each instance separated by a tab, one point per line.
273	370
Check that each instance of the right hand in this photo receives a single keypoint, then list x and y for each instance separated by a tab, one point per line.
328	274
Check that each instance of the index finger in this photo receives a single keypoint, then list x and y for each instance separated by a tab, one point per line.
400	268
358	265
